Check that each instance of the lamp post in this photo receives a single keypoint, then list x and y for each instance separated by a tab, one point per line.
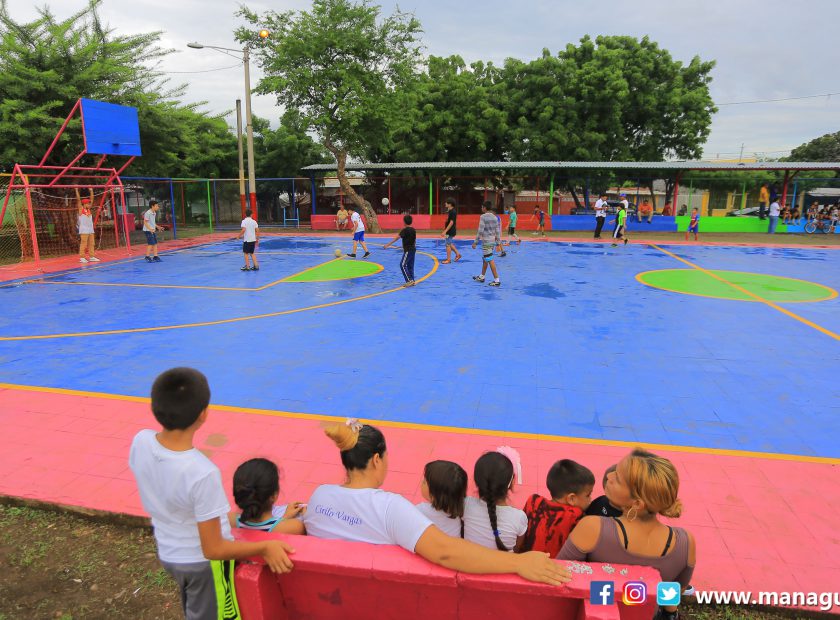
249	127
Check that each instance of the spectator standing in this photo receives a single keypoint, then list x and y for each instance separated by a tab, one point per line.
775	210
763	200
600	214
87	237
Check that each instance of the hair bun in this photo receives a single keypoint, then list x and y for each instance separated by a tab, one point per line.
674	510
345	435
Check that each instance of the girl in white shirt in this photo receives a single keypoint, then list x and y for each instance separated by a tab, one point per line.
360	511
444	488
488	520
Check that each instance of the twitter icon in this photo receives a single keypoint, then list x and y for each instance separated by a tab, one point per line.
668	593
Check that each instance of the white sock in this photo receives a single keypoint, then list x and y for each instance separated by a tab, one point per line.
495	279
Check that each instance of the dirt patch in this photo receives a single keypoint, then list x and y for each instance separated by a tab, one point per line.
58	565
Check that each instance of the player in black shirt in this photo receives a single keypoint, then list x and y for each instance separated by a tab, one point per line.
409	246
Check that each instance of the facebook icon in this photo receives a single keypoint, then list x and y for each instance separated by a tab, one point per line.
601	592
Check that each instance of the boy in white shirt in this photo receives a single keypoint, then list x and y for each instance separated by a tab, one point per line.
150	227
182	491
251	230
358	227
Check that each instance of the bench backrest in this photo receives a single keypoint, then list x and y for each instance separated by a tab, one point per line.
345	580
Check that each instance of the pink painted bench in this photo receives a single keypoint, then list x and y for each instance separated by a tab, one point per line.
345	580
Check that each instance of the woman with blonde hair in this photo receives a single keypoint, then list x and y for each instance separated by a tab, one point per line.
644	486
360	511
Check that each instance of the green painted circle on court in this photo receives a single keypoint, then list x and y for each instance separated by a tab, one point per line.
736	285
339	269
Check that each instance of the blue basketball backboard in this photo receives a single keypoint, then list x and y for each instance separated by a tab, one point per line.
110	129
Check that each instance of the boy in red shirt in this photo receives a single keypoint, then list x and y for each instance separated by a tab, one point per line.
551	521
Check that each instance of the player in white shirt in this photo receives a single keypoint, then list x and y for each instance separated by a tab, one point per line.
359	510
600	214
251	230
357	226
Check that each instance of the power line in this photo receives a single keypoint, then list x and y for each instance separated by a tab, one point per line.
239	64
776	100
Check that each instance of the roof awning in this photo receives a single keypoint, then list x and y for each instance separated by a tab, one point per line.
673	166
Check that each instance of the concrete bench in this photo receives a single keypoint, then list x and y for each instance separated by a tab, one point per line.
345	580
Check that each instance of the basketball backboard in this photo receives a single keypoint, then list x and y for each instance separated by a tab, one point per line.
110	129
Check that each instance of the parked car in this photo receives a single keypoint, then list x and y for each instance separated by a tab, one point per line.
746	212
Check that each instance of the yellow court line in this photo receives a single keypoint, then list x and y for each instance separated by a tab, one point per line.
126	285
737	287
832	295
139	330
457	430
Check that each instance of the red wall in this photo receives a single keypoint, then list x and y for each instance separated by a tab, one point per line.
432	222
344	580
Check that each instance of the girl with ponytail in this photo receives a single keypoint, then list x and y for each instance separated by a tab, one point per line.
358	510
256	486
488	520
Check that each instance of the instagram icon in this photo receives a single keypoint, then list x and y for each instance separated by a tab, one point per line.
635	592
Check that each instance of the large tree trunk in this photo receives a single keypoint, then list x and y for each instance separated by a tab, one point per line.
572	191
362	205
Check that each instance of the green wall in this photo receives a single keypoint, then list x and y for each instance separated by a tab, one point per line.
729	224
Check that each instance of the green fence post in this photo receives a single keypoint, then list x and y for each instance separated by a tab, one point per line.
209	208
551	195
431	193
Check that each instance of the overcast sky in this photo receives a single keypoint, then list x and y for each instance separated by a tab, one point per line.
765	49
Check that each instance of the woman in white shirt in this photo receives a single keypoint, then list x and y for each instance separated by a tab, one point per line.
360	511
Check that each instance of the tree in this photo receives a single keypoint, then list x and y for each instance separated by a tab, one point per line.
282	152
47	64
614	98
344	69
824	148
451	115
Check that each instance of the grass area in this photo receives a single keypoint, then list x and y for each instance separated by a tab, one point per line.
60	565
64	566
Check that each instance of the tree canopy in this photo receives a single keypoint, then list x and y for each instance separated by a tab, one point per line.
344	68
47	64
824	148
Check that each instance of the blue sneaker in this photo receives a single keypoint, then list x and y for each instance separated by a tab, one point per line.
156	259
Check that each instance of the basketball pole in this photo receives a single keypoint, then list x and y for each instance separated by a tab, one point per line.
241	156
249	132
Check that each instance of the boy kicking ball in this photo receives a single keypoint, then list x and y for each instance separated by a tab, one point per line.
251	230
490	236
358	226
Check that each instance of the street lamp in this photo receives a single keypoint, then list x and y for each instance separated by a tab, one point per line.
249	128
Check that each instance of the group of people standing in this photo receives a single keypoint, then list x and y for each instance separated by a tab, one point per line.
620	230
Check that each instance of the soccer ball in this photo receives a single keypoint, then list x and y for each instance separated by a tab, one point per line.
385	202
337	253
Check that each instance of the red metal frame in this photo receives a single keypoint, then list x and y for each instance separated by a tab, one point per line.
53	177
